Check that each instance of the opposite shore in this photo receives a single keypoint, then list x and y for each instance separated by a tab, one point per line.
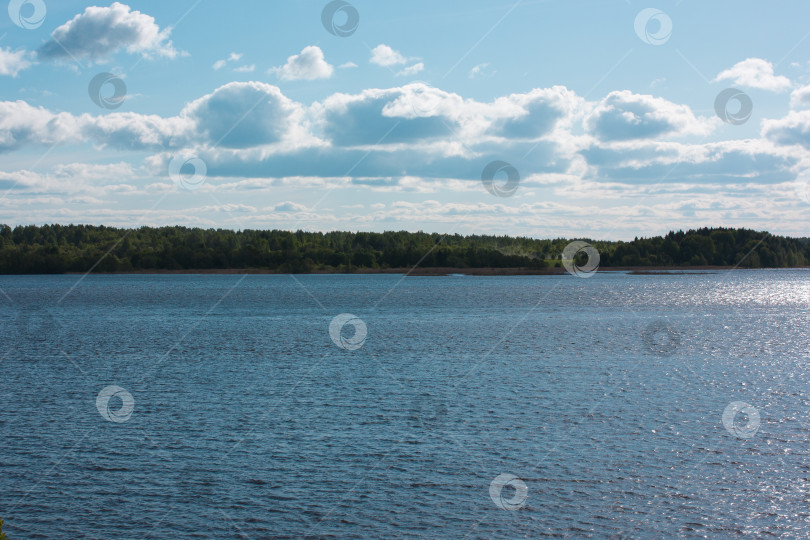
443	271
62	249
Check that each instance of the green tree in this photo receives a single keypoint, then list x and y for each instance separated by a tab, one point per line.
78	248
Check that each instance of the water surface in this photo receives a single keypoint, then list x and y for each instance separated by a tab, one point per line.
604	396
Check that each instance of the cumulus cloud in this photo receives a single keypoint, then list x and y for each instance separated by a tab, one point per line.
22	124
235	116
93	172
418	138
754	73
412	70
70	178
566	208
289	206
478	70
132	131
385	56
233	57
409	114
724	162
623	115
532	115
229	208
242	115
100	32
800	98
12	62
308	65
793	129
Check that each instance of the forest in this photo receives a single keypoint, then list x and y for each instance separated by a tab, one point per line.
52	249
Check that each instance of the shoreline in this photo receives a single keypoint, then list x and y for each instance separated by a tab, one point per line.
444	271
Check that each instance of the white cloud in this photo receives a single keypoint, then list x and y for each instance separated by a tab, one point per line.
535	114
70	178
289	206
308	65
228	208
800	98
412	70
235	116
245	69
478	70
242	115
131	131
623	115
754	73
347	65
407	114
233	57
385	56
793	129
22	124
728	163
419	139
12	62
100	32
93	172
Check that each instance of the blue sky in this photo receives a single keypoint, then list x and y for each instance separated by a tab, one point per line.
606	110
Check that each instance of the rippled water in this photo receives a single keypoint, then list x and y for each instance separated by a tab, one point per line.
604	397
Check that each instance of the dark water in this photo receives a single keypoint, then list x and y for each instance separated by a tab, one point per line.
604	397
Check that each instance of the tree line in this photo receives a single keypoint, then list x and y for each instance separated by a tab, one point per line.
51	249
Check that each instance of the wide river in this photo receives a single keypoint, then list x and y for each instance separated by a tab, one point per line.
387	406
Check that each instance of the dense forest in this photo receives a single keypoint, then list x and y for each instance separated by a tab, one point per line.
79	248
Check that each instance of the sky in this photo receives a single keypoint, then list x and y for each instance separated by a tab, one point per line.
603	119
